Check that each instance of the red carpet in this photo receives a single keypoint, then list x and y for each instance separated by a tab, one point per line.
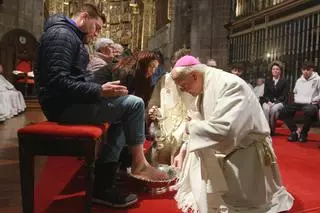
61	178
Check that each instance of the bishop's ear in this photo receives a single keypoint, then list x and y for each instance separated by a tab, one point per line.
194	76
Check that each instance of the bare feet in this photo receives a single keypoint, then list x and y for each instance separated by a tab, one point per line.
150	173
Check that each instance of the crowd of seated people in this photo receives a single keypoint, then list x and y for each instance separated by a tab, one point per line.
11	100
305	99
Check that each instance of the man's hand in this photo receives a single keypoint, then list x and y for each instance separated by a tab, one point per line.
113	89
270	104
178	160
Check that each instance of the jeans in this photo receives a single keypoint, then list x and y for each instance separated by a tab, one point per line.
126	115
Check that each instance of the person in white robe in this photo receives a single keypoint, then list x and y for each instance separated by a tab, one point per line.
229	164
11	100
259	88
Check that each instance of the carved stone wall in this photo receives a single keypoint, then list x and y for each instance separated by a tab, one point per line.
23	14
163	38
149	17
124	24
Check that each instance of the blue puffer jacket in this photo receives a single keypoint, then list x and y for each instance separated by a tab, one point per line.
61	75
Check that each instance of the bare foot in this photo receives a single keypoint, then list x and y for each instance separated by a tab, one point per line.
150	173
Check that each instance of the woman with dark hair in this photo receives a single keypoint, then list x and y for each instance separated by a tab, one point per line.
134	71
275	95
161	70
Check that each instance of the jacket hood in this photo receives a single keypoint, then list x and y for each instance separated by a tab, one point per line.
313	76
61	20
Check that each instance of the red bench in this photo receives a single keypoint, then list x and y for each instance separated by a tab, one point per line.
53	139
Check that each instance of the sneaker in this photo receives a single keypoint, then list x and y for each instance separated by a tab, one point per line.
303	138
293	137
114	198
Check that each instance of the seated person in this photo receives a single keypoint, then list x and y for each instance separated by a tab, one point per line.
103	54
275	95
306	98
118	51
135	72
238	70
259	88
211	62
11	100
67	96
161	70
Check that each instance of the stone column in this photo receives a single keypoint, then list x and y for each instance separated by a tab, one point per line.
182	24
208	34
172	8
147	27
38	18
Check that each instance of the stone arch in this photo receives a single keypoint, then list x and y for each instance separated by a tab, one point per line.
15	45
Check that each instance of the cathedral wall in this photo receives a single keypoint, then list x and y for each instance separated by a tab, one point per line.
23	14
208	34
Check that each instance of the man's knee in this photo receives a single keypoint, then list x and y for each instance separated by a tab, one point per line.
286	112
135	102
275	110
310	110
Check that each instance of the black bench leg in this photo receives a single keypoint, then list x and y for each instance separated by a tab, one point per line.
27	179
89	164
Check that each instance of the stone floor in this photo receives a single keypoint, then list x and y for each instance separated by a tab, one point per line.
10	201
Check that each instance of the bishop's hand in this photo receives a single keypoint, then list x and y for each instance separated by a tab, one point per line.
179	159
154	113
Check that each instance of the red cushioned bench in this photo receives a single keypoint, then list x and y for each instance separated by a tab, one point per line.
53	139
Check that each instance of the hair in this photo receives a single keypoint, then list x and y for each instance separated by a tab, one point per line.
103	18
308	65
181	72
160	55
117	45
238	66
102	42
92	11
211	59
132	71
278	64
179	54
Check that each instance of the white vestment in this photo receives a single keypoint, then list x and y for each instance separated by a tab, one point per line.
230	161
11	100
174	107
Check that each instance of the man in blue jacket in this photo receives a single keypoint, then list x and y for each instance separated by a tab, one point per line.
67	96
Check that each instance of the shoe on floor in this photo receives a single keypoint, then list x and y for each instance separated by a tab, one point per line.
293	137
114	198
303	138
